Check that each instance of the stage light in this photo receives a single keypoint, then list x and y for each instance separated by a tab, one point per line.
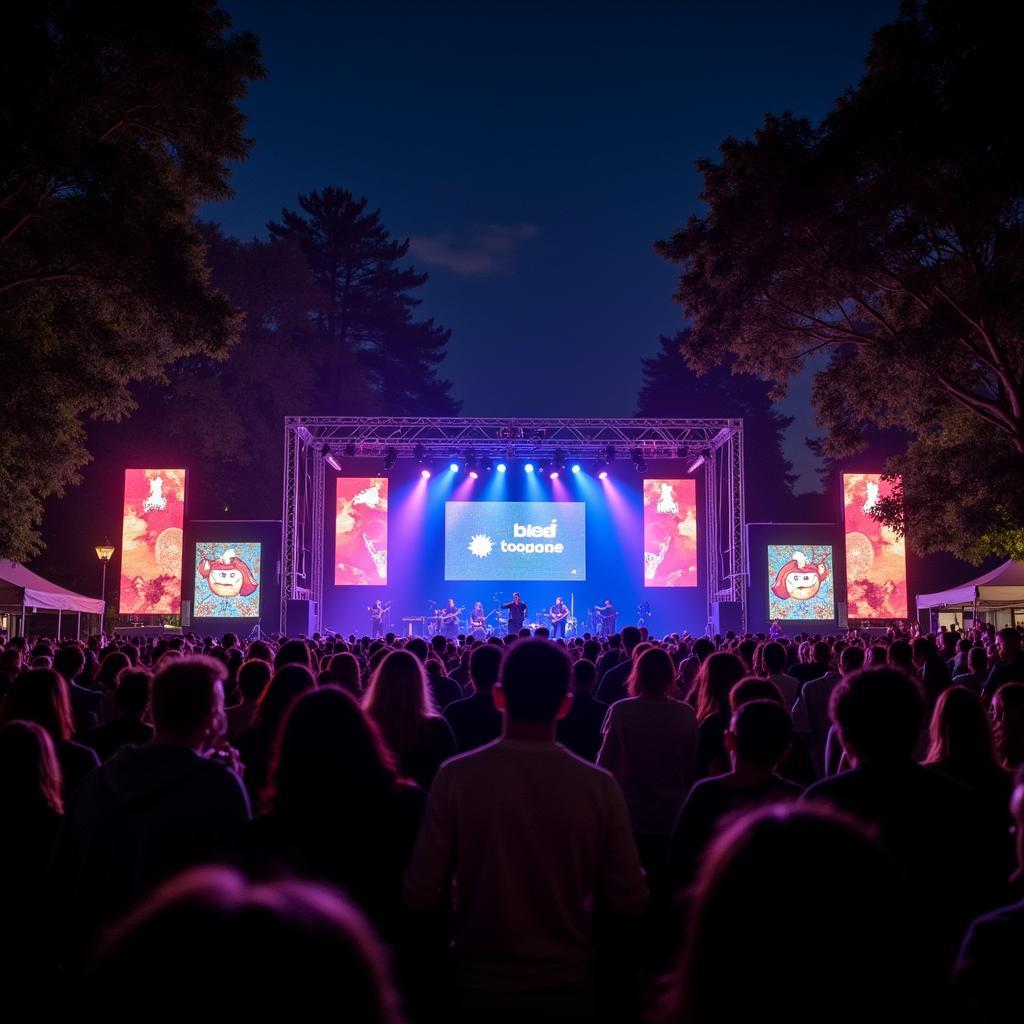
501	467
575	467
528	467
554	474
488	465
609	453
474	475
330	459
390	458
639	462
425	473
419	453
350	451
696	464
454	467
603	475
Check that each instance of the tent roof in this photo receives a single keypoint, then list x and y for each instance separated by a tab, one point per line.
19	585
1003	587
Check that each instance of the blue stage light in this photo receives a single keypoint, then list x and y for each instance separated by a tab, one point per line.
528	467
454	467
501	467
575	467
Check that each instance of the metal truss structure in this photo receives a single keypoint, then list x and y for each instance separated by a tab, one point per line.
713	445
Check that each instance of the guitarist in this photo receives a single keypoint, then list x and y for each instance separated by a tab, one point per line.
559	613
377	611
478	622
450	619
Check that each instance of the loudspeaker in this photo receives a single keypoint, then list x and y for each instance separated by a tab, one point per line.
300	618
726	615
842	622
186	614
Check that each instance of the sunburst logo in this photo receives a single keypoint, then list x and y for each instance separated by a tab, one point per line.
480	545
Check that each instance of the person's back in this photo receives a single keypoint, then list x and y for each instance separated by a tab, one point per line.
811	710
530	832
151	811
580	729
475	720
613	685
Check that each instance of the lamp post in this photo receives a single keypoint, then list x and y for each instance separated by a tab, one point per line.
104	552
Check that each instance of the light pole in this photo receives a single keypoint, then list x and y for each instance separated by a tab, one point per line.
104	552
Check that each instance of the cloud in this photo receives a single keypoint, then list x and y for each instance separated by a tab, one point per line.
486	249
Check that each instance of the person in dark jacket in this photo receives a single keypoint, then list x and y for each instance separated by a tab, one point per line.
580	730
475	720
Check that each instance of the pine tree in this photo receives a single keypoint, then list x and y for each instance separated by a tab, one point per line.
368	306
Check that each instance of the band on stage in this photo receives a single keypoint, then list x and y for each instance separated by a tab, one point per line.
558	618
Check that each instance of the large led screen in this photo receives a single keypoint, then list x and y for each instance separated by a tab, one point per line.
670	533
227	580
876	560
361	531
800	582
151	540
515	540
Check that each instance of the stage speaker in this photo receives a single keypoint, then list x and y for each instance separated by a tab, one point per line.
842	621
726	615
300	618
186	614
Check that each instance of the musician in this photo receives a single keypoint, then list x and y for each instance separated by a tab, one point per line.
478	622
559	613
608	617
516	615
450	615
376	611
643	614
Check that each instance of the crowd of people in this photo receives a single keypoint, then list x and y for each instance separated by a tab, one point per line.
677	830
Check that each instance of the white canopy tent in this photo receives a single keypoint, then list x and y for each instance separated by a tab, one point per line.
1002	588
21	590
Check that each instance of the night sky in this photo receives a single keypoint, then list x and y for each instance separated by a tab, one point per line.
533	153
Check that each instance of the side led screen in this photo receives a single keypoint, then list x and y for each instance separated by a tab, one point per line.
361	531
670	533
151	539
227	580
876	560
800	582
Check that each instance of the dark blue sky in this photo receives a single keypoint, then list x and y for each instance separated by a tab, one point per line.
534	152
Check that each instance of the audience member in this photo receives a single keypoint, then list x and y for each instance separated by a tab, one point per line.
475	720
580	729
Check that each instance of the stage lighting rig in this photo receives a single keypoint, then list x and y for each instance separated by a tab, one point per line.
639	462
419	453
701	459
390	458
329	458
350	450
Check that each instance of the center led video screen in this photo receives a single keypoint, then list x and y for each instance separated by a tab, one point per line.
515	540
670	533
801	582
876	559
361	531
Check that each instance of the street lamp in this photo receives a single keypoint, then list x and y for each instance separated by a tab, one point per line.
104	552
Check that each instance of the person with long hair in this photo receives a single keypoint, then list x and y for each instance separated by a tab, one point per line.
650	746
1007	712
318	951
40	695
31	808
398	700
838	941
718	674
256	744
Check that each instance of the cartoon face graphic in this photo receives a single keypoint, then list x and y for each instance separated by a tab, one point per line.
799	581
228	575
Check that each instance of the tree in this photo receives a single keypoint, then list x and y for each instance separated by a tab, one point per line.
671	388
118	119
889	235
365	318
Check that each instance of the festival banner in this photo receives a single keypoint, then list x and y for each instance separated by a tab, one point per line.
876	561
670	533
361	531
151	541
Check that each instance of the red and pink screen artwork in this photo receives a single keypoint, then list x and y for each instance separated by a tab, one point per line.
151	541
876	562
670	533
361	532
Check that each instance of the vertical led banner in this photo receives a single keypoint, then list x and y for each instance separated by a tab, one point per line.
670	533
151	541
876	562
361	531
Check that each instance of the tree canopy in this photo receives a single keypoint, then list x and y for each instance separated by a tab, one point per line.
118	119
365	319
889	235
671	388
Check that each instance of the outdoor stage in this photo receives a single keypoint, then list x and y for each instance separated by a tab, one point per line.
414	511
